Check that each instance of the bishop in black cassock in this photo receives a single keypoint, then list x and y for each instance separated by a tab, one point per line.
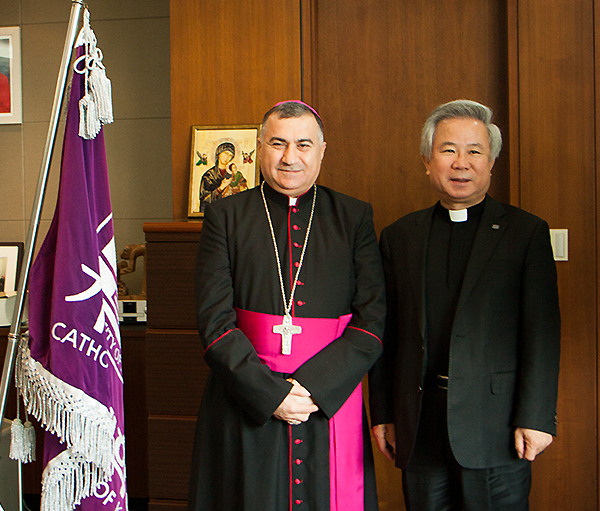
287	431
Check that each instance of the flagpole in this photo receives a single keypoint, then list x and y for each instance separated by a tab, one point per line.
14	333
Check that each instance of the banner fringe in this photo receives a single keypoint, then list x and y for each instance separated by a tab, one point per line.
85	425
67	480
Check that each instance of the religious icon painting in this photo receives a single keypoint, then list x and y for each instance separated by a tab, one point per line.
224	162
10	76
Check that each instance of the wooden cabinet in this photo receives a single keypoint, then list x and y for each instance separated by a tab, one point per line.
175	368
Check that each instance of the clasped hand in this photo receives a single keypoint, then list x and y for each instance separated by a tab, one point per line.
297	405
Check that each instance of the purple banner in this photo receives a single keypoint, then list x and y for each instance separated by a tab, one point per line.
73	379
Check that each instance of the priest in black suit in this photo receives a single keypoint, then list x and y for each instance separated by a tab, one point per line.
464	396
291	309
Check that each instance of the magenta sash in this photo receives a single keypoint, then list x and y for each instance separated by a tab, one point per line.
345	427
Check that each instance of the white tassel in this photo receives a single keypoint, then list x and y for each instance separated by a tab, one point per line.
16	441
89	124
29	442
102	93
95	107
22	441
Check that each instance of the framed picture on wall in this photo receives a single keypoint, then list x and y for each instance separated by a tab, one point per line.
11	257
224	162
10	76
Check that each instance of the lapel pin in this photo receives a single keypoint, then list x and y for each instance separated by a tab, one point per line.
495	226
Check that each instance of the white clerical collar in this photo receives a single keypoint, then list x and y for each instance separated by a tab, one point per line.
458	215
293	201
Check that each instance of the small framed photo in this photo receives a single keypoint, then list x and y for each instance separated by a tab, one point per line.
11	257
10	76
224	162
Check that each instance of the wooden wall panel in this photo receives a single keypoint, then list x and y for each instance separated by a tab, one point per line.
167	505
170	354
231	60
557	181
170	263
136	413
377	74
170	443
374	70
379	70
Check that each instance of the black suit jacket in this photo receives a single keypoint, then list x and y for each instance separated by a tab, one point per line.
505	341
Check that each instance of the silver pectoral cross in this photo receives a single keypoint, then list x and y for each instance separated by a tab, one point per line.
286	330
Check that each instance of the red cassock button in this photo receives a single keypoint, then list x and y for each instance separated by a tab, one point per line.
298	481
298	461
296	264
296	228
300	303
297	245
294	210
298	441
299	502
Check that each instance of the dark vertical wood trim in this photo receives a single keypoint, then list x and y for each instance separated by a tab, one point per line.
307	41
301	15
513	101
596	9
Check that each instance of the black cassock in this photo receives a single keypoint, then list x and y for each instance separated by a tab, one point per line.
244	458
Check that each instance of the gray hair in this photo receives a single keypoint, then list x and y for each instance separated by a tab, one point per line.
461	109
289	109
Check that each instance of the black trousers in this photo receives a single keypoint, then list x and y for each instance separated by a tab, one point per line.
434	481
